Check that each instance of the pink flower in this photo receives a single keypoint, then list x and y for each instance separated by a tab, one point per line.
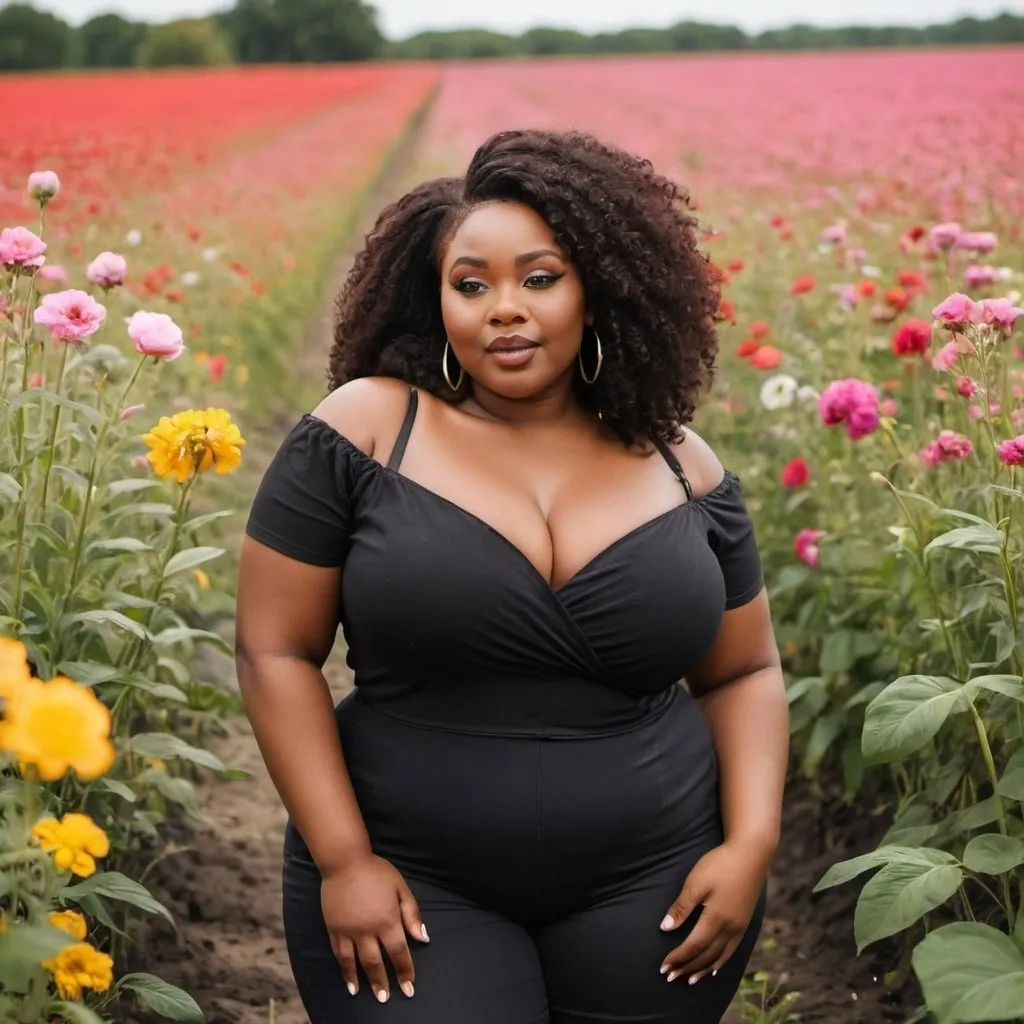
946	357
43	186
1011	453
834	233
948	447
37	380
857	255
957	309
848	295
20	248
978	277
805	547
107	270
889	407
966	388
975	411
71	315
1000	312
977	241
156	334
944	236
853	402
128	413
54	272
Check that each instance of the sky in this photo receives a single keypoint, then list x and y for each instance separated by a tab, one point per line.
399	18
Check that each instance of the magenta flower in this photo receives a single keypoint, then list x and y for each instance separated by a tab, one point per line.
805	547
949	446
108	270
1000	312
966	387
977	241
957	310
157	335
20	248
1011	452
71	315
977	276
853	402
946	357
43	186
944	236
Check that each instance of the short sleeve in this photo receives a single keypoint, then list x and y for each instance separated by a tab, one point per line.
303	506
731	535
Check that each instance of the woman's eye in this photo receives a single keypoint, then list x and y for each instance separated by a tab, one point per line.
468	287
541	280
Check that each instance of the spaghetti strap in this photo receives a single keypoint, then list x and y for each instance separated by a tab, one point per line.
403	435
673	463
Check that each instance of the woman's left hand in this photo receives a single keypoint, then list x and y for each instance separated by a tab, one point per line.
726	882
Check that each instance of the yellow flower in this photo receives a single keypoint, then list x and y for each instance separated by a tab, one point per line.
71	922
74	841
192	441
57	726
14	671
201	579
78	967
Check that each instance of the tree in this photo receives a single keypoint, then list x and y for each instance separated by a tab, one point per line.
31	40
109	41
190	42
305	30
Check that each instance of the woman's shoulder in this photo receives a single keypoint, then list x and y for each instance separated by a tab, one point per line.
701	465
365	410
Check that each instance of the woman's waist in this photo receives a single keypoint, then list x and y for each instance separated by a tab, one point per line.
560	707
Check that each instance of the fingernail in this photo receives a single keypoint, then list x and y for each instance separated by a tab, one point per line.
667	923
673	975
664	968
382	996
352	989
714	972
423	932
694	978
408	989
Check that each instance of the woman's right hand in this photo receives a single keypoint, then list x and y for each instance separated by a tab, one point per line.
368	907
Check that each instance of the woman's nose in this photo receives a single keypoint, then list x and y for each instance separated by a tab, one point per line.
507	306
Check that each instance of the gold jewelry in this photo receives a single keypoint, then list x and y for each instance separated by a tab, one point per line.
444	370
600	360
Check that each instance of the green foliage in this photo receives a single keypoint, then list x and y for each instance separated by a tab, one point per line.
190	42
109	41
31	40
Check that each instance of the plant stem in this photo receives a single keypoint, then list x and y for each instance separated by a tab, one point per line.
51	454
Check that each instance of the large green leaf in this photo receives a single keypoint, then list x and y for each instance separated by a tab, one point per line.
900	894
993	854
1008	686
982	537
846	870
971	973
190	558
164	745
109	617
1011	785
22	948
907	714
116	886
30	394
160	997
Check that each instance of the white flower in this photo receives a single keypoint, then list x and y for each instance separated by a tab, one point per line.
189	278
210	254
806	393
868	270
134	237
778	391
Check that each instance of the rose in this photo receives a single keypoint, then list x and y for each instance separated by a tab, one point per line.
156	334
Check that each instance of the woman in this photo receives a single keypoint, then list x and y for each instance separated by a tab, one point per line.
527	553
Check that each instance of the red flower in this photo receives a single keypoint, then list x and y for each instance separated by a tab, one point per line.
736	266
216	367
804	284
915	233
912	338
758	329
867	287
796	473
897	298
727	311
745	349
913	280
767	357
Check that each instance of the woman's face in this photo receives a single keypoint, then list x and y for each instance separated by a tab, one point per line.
512	304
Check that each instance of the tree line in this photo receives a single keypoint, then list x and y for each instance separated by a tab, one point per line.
299	31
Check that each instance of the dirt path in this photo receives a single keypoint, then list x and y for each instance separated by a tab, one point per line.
222	880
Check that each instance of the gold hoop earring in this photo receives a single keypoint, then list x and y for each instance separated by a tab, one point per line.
444	370
600	360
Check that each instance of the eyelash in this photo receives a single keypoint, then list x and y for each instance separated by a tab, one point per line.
548	279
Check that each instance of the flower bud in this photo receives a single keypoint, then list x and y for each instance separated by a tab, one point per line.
43	186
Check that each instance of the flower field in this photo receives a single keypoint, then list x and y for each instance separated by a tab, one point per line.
864	212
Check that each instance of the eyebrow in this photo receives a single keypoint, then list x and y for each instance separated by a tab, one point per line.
526	257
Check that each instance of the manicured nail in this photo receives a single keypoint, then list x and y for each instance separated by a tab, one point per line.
667	923
423	932
382	996
352	990
408	989
673	975
664	968
694	978
714	972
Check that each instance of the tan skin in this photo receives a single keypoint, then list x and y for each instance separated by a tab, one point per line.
561	493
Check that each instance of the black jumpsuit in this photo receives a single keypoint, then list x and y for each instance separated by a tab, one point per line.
523	754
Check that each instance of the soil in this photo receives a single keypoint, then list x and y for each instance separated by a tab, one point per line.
220	877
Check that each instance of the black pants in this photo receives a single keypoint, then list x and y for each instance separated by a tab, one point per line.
542	868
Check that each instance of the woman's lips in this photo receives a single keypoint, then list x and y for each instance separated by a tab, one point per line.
513	355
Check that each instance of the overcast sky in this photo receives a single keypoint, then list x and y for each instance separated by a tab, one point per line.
400	18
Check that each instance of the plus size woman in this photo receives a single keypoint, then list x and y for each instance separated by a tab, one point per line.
554	793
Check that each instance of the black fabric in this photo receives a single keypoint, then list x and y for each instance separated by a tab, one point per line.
398	452
542	885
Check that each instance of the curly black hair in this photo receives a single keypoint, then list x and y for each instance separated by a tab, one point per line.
653	295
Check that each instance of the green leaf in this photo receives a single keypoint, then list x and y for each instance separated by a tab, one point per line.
114	786
87	672
970	973
110	617
163	745
22	948
993	854
974	816
1011	785
30	394
985	539
116	886
175	634
190	558
200	521
71	475
178	791
74	1013
846	870
1008	686
907	714
133	483
837	654
900	894
10	489
160	997
114	544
